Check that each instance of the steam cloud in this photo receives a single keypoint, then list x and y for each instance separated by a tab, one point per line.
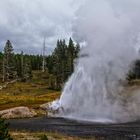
96	91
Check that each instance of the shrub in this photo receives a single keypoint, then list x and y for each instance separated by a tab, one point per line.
4	134
44	137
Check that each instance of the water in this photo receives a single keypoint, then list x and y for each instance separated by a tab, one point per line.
96	91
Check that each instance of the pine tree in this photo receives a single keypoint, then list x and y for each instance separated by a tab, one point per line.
9	71
71	53
21	65
77	50
27	70
1	64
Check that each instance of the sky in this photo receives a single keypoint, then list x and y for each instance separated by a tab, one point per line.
26	22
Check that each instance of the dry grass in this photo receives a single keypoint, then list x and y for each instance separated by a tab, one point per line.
37	136
8	101
31	94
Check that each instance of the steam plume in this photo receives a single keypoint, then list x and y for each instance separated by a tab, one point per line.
95	91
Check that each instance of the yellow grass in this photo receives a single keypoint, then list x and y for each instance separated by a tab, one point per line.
8	101
37	136
31	93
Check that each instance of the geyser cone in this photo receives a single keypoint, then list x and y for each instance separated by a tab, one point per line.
95	91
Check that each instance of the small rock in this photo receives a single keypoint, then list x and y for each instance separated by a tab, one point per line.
52	108
44	106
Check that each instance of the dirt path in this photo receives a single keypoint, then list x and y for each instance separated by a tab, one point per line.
129	131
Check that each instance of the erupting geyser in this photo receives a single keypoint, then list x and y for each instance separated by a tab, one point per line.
95	91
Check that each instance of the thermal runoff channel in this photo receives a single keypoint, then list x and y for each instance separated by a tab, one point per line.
96	91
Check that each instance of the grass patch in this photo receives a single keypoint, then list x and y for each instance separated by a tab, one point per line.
37	136
8	101
30	94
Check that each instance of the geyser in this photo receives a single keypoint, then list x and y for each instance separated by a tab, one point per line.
96	91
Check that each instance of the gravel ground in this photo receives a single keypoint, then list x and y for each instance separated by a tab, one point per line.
127	131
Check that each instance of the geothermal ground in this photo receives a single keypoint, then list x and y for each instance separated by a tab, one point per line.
127	131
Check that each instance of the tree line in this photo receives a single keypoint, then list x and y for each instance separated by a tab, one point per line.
59	65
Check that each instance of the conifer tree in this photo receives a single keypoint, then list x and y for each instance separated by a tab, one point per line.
9	71
1	64
27	70
77	50
71	53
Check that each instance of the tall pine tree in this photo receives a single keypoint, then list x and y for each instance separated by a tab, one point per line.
1	64
9	71
71	54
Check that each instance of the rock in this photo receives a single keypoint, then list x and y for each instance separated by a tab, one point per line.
44	106
0	87
52	108
18	112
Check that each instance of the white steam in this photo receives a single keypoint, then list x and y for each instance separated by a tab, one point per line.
95	91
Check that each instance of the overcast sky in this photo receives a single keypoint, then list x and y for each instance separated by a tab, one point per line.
26	22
